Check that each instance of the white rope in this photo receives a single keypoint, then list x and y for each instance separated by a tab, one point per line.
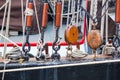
5	63
6	34
102	19
61	18
68	12
106	22
91	13
77	13
59	66
3	23
7	28
95	8
73	14
54	27
78	54
28	12
9	40
3	75
4	4
23	20
36	16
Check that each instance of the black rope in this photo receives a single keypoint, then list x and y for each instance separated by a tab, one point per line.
97	18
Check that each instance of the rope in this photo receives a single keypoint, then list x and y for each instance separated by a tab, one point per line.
91	13
78	54
24	23
78	12
73	14
68	13
95	9
3	23
36	16
6	34
102	20
106	23
7	28
9	40
3	75
23	20
7	1
60	66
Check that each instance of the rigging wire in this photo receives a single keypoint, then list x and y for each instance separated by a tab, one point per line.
97	18
9	40
91	13
7	28
73	12
102	20
6	34
3	23
3	75
23	20
78	7
106	23
36	16
24	23
68	17
95	9
7	1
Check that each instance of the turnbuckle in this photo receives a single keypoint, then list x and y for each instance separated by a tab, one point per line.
56	46
26	50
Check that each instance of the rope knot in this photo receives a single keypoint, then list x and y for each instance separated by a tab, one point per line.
29	12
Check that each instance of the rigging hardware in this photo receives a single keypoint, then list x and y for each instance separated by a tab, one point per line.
94	39
41	45
71	34
116	44
29	14
56	43
116	39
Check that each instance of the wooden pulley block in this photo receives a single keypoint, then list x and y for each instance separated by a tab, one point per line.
71	34
94	39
